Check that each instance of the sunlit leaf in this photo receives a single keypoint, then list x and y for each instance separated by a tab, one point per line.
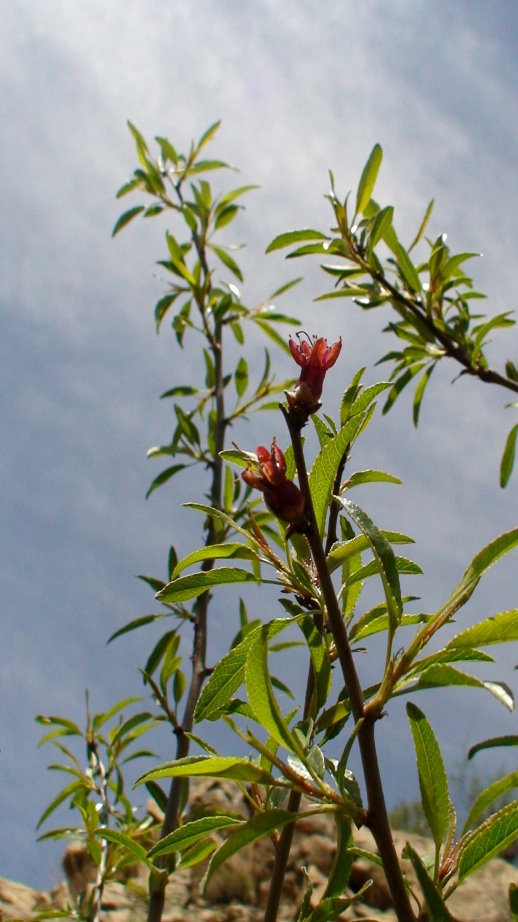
210	767
368	179
126	218
186	835
215	552
385	557
289	237
501	628
488	796
260	825
433	783
489	840
434	901
507	462
189	587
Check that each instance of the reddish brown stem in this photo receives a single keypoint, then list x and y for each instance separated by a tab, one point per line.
376	808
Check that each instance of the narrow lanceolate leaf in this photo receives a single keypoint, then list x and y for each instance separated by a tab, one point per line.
224	682
229	673
407	268
501	628
187	835
385	557
209	767
444	675
216	552
507	462
368	179
483	560
419	393
488	796
126	218
343	860
134	625
286	239
320	660
360	477
344	550
261	696
433	783
513	901
129	844
188	587
489	840
323	472
164	476
260	825
434	901
494	743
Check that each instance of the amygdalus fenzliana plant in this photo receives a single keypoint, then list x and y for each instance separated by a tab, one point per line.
272	518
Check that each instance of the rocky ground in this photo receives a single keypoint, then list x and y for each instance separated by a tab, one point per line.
237	892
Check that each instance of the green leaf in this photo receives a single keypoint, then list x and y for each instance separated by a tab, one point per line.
382	222
188	834
344	550
197	853
489	840
360	477
507	462
433	782
189	587
209	767
434	901
261	696
323	472
272	334
260	825
440	676
126	218
229	673
494	742
215	552
419	393
513	901
241	377
342	861
203	166
368	179
407	269
227	260
66	792
501	628
164	477
286	239
424	222
480	563
320	660
100	719
208	135
403	565
385	557
129	844
488	796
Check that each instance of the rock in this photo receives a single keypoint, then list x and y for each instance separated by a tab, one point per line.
238	891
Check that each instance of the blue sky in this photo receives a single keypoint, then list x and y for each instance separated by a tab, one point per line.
300	88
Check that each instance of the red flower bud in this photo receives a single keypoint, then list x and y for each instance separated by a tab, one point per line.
281	495
314	357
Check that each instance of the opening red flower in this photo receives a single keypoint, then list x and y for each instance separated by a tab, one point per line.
315	357
281	495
